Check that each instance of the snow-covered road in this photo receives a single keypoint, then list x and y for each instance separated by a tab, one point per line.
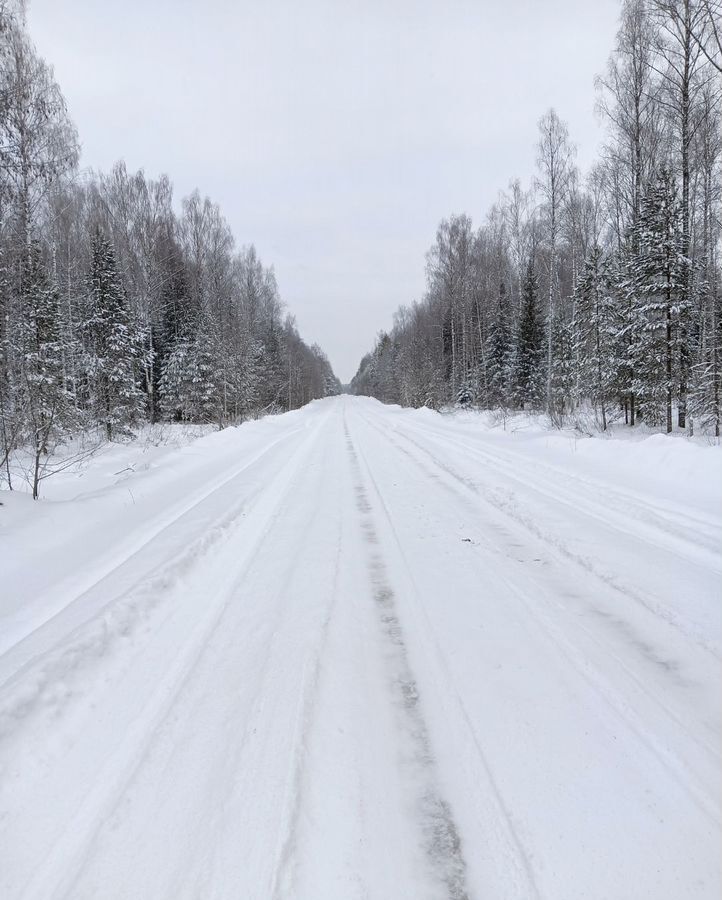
361	652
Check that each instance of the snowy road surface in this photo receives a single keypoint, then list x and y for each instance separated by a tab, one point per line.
360	652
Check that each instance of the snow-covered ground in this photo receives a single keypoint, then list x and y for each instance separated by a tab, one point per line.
363	652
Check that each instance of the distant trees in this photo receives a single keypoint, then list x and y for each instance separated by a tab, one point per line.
617	274
449	272
114	308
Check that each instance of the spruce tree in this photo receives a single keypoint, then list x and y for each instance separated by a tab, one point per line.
44	396
529	374
208	382
248	376
191	378
175	385
114	346
465	392
622	280
596	336
659	285
500	352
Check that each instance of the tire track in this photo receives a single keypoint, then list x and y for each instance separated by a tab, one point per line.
284	875
507	508
676	520
69	852
611	695
16	657
120	618
440	837
512	860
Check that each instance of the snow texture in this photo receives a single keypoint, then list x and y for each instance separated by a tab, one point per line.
356	651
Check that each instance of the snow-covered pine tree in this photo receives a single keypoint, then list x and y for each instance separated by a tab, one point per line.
660	289
500	352
596	336
207	383
465	392
529	373
191	378
43	395
113	344
175	385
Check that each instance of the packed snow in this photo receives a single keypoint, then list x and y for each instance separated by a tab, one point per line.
356	651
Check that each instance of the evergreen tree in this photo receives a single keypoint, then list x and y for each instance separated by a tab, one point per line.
208	378
622	279
44	395
465	393
114	345
660	288
529	374
175	385
500	352
191	379
596	336
247	378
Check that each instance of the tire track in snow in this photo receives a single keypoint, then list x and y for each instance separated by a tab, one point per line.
506	506
46	677
307	701
440	837
701	537
70	593
616	702
668	520
511	858
66	857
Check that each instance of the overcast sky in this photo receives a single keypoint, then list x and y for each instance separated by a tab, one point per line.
334	135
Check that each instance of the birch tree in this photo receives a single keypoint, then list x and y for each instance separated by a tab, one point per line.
555	165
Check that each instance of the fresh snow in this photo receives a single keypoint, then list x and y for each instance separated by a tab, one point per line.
356	651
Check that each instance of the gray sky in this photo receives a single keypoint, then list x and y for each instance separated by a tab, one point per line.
334	135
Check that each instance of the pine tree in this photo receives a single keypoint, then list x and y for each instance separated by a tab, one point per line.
114	345
529	374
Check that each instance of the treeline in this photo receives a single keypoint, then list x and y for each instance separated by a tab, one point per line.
599	294
115	309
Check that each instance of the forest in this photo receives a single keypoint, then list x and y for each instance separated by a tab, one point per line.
591	297
119	307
